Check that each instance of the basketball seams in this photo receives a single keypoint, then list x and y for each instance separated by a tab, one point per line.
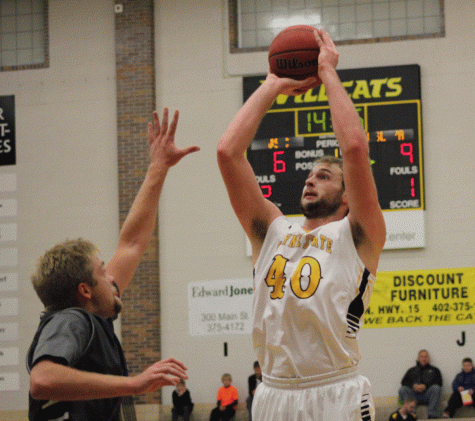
296	77
310	50
299	28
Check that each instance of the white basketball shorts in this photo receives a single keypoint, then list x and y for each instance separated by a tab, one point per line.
347	399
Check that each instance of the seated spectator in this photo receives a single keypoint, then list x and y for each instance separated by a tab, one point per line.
227	400
463	382
182	404
406	411
252	382
423	382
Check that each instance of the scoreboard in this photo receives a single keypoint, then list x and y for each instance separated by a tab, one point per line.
298	130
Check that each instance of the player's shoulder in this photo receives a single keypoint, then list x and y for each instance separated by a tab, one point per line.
67	314
73	314
340	229
76	320
279	222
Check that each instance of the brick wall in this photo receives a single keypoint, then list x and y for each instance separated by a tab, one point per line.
134	41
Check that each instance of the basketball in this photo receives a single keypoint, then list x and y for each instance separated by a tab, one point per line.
294	53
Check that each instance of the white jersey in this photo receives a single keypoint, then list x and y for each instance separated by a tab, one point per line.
311	290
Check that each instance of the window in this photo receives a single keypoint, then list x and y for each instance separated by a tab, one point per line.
254	23
23	34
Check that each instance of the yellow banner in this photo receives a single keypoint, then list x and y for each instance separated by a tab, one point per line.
422	298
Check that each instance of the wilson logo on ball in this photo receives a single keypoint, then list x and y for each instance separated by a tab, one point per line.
295	63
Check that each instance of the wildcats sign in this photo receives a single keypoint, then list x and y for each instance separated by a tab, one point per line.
422	298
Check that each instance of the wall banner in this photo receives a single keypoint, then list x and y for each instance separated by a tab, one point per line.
7	130
220	307
422	298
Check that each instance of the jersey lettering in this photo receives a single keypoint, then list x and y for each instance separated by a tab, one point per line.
307	273
275	277
305	240
304	281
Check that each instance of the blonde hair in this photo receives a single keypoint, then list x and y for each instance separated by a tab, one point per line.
60	270
330	159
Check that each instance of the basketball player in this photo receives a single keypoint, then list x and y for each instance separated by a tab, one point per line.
312	282
77	367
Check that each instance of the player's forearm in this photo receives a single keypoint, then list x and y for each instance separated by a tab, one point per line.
140	222
346	122
138	228
52	381
242	129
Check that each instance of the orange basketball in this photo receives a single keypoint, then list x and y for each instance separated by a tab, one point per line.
294	53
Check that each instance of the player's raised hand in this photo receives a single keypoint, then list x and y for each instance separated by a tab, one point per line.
328	56
288	86
161	139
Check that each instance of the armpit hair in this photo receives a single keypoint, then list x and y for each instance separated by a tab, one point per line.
259	228
357	233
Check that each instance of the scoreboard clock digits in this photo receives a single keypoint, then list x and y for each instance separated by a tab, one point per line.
319	121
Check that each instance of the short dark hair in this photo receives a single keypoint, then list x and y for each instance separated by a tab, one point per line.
467	360
256	364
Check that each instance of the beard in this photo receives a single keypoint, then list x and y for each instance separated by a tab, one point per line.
117	309
117	302
321	208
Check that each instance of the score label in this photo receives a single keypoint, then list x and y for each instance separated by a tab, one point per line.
298	130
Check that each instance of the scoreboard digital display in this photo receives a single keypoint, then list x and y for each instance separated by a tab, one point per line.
298	130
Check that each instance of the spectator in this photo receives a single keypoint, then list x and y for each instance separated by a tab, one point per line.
406	411
423	382
182	404
227	400
463	382
252	382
